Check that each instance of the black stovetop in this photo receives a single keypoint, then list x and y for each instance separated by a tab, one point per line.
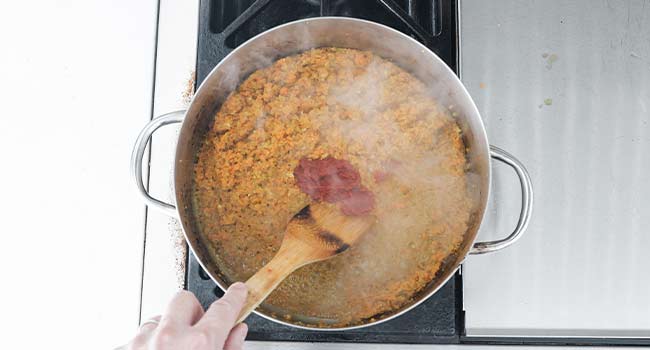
225	24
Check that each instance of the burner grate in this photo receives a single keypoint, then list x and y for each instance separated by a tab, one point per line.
226	24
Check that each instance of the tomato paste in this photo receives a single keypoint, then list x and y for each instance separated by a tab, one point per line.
334	180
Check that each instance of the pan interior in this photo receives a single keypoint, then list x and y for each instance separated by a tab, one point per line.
327	32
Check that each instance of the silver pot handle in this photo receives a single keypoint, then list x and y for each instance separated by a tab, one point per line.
138	153
526	204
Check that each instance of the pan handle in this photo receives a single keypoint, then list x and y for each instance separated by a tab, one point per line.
138	153
526	204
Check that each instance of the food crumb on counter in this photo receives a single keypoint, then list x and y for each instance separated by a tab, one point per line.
188	93
550	59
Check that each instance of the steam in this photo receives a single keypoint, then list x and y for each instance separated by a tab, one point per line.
370	101
388	127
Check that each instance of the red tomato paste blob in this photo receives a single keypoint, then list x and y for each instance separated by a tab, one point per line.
334	180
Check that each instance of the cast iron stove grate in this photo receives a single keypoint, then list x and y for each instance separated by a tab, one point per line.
225	24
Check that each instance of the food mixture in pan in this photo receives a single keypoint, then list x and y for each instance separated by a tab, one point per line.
347	105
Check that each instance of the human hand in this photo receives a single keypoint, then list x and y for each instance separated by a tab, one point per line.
185	325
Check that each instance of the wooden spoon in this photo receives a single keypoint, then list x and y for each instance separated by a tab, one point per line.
318	232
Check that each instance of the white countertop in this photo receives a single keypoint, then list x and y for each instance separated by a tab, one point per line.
76	81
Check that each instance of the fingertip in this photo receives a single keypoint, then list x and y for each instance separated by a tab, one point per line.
244	331
224	311
238	286
238	289
241	331
183	308
237	337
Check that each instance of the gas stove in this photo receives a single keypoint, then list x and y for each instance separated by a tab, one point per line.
225	24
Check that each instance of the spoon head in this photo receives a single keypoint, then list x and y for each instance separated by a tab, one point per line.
324	226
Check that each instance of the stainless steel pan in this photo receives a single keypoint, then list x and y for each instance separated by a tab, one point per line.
295	37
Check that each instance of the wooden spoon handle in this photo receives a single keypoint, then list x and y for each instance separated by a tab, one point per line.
269	277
